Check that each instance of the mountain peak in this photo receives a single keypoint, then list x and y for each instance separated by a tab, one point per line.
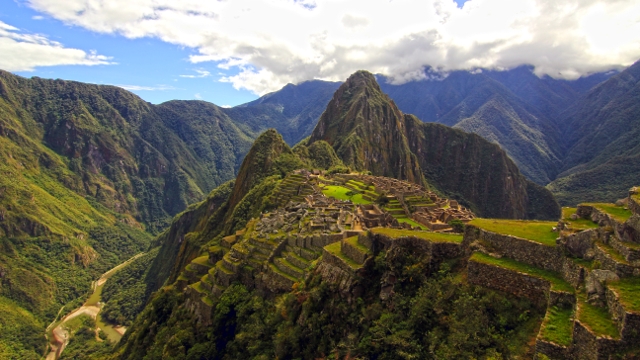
366	129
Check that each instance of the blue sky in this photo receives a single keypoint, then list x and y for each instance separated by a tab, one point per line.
230	52
146	62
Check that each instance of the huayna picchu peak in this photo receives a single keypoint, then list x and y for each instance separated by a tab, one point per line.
369	132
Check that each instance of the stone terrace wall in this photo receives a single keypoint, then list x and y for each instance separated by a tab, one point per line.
522	250
632	203
588	346
509	281
551	350
628	322
438	251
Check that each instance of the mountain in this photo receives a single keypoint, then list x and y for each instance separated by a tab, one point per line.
514	108
293	110
369	132
602	132
89	173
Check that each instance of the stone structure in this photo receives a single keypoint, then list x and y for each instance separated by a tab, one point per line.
277	250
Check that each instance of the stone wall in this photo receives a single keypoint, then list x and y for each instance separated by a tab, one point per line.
633	204
354	253
628	322
522	250
551	350
573	273
588	346
509	281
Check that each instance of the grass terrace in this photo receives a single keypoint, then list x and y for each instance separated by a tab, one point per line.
615	255
335	249
425	235
556	280
353	241
629	290
597	319
578	224
276	270
202	260
538	231
557	326
412	223
618	213
340	193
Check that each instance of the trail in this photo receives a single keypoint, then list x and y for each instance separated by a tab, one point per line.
60	335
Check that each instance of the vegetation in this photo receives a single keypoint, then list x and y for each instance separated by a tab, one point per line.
126	292
628	289
557	326
619	213
556	280
426	235
597	319
427	316
538	231
579	223
342	193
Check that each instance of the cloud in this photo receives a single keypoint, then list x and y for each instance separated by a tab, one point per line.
24	52
197	96
145	88
201	74
269	43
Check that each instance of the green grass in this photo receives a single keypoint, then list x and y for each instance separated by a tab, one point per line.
556	280
538	231
597	319
276	270
618	213
558	325
589	264
430	236
629	291
615	255
340	193
578	224
335	249
202	260
353	241
412	223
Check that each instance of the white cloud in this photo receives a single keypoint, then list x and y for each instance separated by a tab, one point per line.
24	52
145	88
201	74
197	96
274	42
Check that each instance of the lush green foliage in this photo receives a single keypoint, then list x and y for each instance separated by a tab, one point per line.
126	291
428	316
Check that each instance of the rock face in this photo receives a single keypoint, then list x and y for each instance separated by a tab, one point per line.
369	132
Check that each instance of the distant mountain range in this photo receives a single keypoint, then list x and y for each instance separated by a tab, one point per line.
575	136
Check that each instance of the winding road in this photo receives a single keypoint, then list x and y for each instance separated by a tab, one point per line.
60	334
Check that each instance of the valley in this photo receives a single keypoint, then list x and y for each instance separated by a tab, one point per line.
59	336
375	229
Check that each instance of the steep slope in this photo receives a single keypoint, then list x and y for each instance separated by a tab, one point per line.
360	121
88	172
226	209
603	134
132	157
368	132
293	110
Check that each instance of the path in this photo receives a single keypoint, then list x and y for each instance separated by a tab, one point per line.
91	307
